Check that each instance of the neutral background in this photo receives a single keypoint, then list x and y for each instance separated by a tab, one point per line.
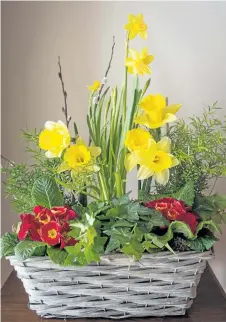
187	40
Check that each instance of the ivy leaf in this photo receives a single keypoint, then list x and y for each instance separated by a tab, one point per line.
154	217
61	256
122	200
112	245
8	243
27	248
46	193
134	248
99	243
91	255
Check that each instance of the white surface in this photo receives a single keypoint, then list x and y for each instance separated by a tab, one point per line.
187	40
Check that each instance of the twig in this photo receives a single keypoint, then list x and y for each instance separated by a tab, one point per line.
214	183
64	108
12	163
106	73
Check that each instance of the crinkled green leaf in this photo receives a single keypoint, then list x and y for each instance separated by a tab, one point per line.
46	193
27	248
61	256
8	243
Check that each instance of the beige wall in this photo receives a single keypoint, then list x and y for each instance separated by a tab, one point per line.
187	40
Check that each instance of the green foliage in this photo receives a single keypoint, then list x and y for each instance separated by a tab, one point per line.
178	227
201	243
200	147
28	248
8	243
46	193
186	194
211	207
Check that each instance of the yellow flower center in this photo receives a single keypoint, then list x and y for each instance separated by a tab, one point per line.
161	161
77	156
137	139
52	233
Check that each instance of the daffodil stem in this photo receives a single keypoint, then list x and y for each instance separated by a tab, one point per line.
125	80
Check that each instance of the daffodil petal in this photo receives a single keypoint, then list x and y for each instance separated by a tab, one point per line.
164	144
95	151
132	34
143	34
80	141
134	54
173	109
50	154
63	167
130	161
50	125
162	177
144	173
174	160
131	17
143	119
144	53
169	118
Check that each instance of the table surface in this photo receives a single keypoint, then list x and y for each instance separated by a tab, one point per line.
209	305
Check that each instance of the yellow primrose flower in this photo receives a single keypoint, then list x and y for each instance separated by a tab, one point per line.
136	139
156	113
136	26
80	157
138	63
54	138
157	161
96	84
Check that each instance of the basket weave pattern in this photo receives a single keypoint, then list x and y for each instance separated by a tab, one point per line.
159	284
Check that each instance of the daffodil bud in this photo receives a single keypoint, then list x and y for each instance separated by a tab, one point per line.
95	100
104	81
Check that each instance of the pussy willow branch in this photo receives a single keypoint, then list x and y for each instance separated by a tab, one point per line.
64	108
107	71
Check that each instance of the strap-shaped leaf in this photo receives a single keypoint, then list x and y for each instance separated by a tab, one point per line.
46	193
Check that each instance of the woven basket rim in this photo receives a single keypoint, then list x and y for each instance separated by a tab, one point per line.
121	259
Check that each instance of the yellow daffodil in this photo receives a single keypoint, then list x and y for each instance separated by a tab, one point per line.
54	138
136	140
157	161
136	26
156	113
79	157
138	63
95	86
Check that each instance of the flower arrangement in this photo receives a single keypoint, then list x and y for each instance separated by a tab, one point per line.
73	202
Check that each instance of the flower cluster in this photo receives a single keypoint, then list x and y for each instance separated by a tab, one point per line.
153	157
173	209
48	225
55	138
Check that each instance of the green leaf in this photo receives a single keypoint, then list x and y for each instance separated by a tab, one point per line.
112	245
8	243
122	200
201	244
27	248
186	194
91	255
174	227
134	248
46	193
153	216
61	256
99	243
208	224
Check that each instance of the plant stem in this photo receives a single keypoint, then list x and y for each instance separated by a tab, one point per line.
125	81
64	108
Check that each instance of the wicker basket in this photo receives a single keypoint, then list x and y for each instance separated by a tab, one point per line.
160	284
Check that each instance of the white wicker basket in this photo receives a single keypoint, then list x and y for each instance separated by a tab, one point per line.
159	284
